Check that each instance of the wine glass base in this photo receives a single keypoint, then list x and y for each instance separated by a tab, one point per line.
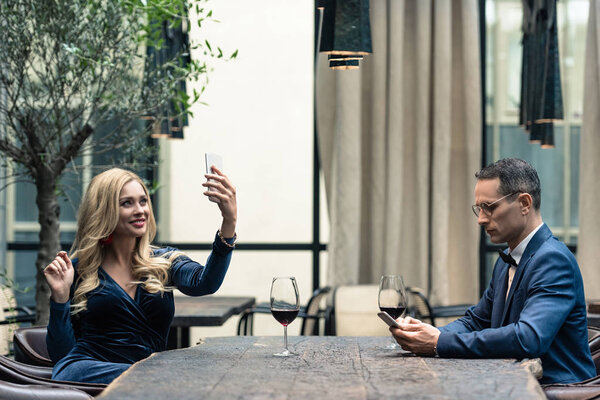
393	346
285	353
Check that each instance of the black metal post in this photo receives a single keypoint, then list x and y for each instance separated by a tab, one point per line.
316	245
482	47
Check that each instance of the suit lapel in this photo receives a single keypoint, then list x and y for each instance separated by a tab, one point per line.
537	240
499	297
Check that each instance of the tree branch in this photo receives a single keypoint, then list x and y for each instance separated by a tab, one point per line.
72	149
13	152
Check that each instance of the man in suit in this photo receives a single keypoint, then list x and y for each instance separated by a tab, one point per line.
534	305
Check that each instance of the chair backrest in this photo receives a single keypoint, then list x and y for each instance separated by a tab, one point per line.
11	315
594	342
8	303
30	346
593	333
355	311
4	335
28	369
10	372
576	391
11	391
7	297
313	312
418	304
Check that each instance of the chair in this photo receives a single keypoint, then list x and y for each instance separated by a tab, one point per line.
588	389
594	341
9	323
12	372
11	391
593	332
33	370
420	308
10	315
585	390
30	346
12	312
354	312
311	314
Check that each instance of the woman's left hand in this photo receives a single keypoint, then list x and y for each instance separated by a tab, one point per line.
224	191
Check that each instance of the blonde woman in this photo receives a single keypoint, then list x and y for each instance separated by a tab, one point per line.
111	301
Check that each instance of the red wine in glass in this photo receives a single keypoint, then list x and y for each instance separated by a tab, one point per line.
394	312
285	305
284	317
392	299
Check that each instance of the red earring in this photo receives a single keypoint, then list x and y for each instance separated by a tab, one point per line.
107	240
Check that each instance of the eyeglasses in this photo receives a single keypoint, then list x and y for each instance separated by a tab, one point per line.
488	209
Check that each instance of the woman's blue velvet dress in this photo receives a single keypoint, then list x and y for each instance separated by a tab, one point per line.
115	330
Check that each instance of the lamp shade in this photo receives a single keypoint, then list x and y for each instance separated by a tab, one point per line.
541	95
345	32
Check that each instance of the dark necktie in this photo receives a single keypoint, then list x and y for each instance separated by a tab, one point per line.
507	258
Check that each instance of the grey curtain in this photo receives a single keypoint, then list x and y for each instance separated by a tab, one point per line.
589	162
400	141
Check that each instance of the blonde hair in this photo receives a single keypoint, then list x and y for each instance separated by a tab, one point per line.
97	218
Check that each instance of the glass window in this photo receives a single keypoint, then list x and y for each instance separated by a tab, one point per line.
558	168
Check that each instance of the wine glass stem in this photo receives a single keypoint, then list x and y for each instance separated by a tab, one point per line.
285	336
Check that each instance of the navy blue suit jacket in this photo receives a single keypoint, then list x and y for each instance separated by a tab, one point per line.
544	315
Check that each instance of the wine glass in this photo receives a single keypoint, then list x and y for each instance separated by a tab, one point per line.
392	299
285	305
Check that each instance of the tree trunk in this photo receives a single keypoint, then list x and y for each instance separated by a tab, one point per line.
49	212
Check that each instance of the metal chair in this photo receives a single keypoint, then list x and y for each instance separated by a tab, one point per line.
354	311
311	314
30	346
14	313
420	308
10	316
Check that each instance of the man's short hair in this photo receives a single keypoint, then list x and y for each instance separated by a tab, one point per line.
515	176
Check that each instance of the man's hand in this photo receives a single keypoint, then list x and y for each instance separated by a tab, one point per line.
416	336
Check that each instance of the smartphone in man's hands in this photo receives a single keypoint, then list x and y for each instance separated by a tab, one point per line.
388	319
210	160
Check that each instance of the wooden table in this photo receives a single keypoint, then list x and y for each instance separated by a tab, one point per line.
203	311
328	367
